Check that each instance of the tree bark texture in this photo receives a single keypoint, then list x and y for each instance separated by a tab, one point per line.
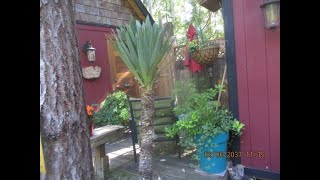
147	134
63	119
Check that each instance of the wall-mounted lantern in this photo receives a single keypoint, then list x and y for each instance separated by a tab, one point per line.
90	51
271	13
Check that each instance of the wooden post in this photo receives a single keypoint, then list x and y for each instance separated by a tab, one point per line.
101	136
101	162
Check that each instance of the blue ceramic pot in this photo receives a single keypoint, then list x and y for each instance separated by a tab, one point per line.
213	157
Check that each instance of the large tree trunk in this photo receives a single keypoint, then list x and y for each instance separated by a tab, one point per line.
63	120
147	134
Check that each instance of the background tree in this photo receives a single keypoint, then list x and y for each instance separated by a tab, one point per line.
63	120
142	47
181	13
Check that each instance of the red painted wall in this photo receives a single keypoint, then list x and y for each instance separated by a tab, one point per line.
95	90
258	76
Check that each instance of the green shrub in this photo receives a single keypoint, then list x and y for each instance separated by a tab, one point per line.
198	115
113	111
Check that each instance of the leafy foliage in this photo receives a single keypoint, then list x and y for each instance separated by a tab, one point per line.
182	13
193	46
184	91
142	47
198	115
205	22
113	111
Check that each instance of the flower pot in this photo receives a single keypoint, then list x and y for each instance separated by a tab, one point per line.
213	157
91	127
205	55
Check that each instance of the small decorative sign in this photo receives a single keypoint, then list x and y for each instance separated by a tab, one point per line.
91	72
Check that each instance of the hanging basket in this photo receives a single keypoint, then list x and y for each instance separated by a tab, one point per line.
205	55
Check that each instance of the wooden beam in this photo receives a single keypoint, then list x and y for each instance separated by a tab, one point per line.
101	162
227	14
95	24
111	59
137	10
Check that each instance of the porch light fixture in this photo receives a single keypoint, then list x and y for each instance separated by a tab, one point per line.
271	13
90	51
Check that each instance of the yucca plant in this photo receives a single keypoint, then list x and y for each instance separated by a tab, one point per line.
142	47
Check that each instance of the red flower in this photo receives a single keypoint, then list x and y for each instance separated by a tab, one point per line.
90	112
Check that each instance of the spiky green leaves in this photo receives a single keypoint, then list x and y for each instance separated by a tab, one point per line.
142	47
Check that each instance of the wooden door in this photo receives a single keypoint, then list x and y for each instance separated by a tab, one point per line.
121	77
95	90
166	76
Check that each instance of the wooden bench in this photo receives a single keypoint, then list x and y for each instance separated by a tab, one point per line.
101	136
163	117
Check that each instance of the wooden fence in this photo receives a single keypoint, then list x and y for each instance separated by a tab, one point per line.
172	69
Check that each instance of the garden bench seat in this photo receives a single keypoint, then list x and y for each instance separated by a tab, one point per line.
164	117
100	137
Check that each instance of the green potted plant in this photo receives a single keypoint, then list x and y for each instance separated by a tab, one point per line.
205	125
202	50
114	110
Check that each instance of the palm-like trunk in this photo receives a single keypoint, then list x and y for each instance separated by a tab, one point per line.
63	120
134	44
147	134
